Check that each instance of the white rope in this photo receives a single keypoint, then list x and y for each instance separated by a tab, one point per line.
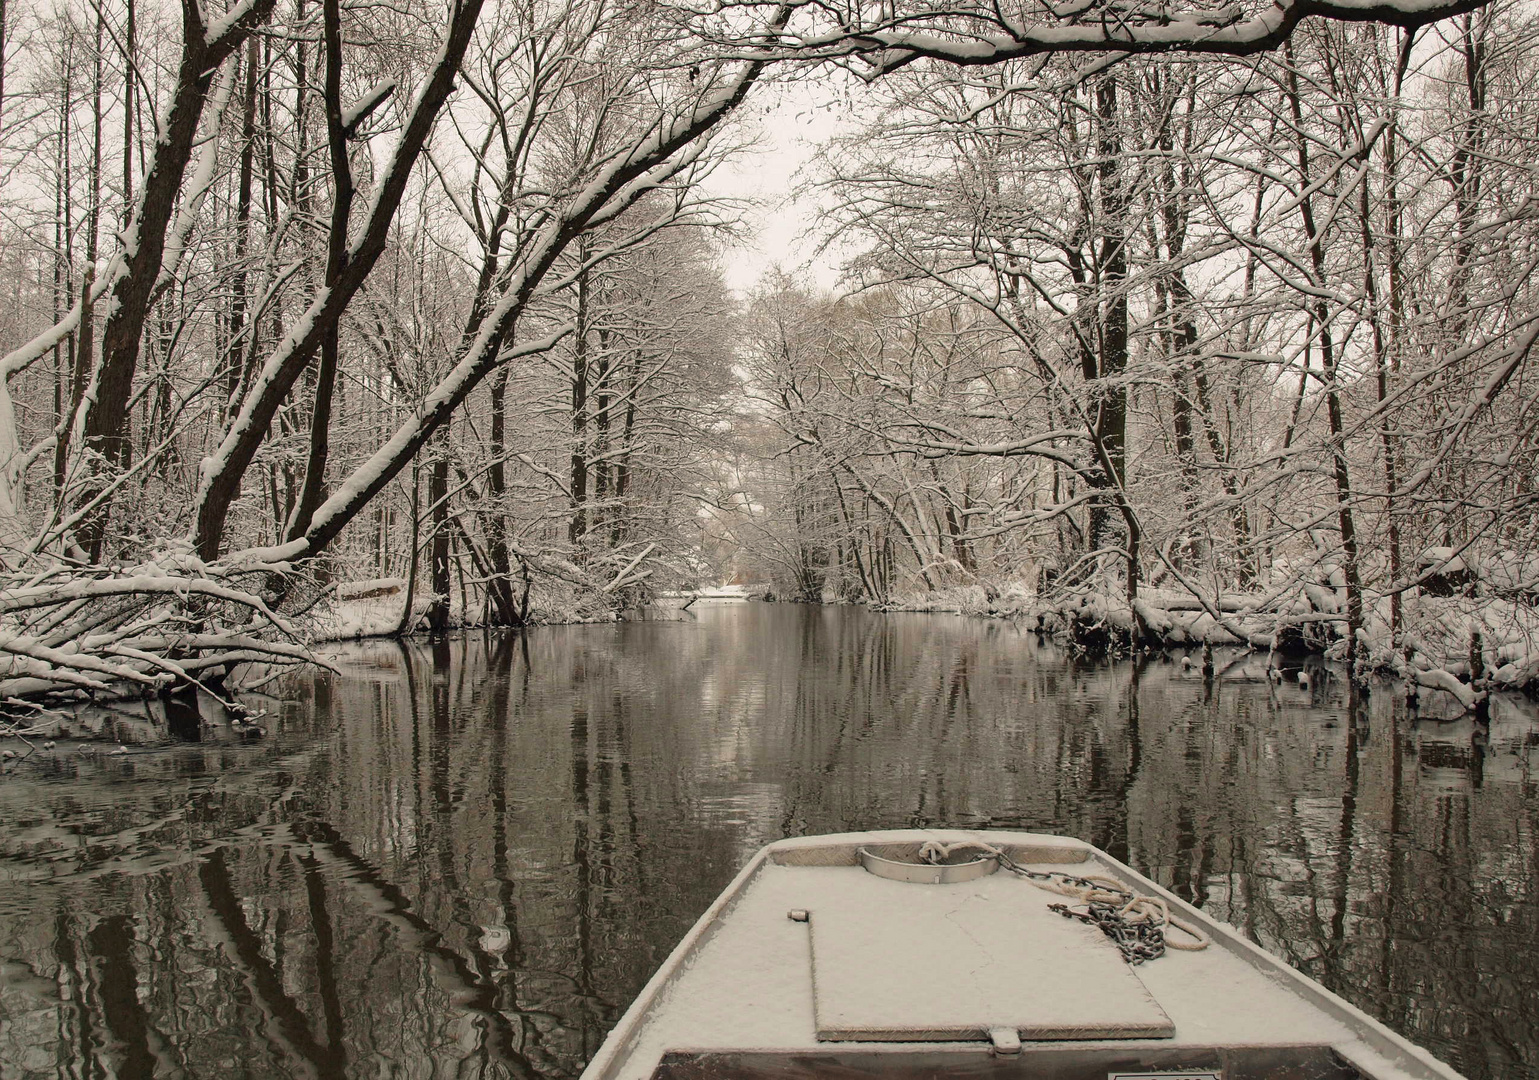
1086	889
934	851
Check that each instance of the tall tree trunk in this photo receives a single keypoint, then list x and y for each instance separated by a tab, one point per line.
90	539
233	366
405	626
1383	335
495	519
438	506
130	85
5	41
1329	377
619	523
1466	170
1387	341
144	239
1239	520
343	190
62	392
1110	397
578	526
603	397
63	260
955	528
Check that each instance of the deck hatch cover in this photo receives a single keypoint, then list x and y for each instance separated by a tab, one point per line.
892	963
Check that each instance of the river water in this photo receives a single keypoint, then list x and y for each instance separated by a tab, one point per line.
465	858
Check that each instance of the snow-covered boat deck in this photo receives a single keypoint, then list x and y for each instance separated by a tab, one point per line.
883	970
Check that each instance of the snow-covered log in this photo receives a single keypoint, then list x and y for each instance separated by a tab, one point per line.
1439	679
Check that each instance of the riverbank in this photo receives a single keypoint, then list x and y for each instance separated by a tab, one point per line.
1463	645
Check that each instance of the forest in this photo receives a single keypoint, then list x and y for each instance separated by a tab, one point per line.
1164	325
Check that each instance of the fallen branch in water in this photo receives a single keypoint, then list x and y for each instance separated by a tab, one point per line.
171	621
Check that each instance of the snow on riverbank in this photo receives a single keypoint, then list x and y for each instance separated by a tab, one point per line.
367	609
375	608
1461	644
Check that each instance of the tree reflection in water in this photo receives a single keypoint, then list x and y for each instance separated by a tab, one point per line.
466	857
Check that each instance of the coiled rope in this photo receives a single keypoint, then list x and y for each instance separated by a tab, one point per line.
1139	925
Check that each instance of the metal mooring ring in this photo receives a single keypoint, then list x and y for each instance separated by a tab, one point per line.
928	873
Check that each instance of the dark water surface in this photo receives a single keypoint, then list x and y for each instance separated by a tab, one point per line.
465	859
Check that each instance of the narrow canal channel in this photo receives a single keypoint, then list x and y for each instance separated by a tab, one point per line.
465	858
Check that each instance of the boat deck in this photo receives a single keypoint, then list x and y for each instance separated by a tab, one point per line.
885	978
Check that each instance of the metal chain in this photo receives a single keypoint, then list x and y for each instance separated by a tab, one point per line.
1137	940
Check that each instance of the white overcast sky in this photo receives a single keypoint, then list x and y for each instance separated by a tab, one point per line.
780	226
